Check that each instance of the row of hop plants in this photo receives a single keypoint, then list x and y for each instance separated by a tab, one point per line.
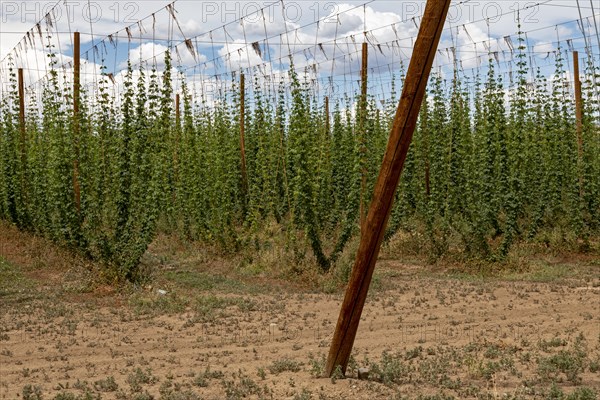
501	163
483	172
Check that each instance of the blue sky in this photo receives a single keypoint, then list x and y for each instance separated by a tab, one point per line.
234	35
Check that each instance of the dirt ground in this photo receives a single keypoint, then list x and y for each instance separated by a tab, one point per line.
197	333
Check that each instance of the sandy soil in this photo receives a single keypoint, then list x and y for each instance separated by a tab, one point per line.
422	334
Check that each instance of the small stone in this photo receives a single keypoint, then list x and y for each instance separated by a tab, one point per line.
161	292
363	373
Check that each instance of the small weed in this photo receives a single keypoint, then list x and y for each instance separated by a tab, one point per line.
106	385
142	396
203	378
12	281
567	362
390	370
87	395
283	365
206	307
242	386
156	304
594	365
414	353
583	393
170	391
32	392
6	352
305	394
81	385
262	374
337	374
545	345
317	365
138	378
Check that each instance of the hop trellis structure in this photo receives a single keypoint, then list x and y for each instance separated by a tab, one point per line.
498	156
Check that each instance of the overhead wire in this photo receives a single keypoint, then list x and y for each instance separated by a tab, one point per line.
320	53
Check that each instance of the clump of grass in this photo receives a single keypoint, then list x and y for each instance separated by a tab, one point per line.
545	345
594	365
582	393
140	396
207	306
87	395
6	352
139	377
155	304
414	353
203	378
106	385
242	386
317	365
566	362
390	370
283	365
305	394
337	374
31	392
570	362
261	373
12	281
174	391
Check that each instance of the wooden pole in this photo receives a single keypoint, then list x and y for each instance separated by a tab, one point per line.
242	132
21	104
425	130
327	114
177	112
403	127
363	134
76	117
176	147
578	103
22	111
578	119
23	138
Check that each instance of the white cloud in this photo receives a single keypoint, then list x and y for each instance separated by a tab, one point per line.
239	55
544	47
391	27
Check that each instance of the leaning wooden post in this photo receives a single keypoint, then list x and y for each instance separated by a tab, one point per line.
76	118
578	119
362	127
242	133
403	127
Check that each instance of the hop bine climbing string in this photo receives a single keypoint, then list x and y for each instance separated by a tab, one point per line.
297	149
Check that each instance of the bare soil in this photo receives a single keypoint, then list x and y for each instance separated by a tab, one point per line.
201	332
